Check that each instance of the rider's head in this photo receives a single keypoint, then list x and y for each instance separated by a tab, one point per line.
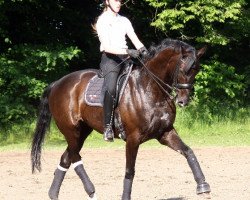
113	5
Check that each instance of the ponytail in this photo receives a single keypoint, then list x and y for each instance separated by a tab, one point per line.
105	7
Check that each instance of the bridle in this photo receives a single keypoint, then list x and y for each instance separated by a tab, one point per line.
190	65
175	86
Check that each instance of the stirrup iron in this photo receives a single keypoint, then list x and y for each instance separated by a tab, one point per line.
108	134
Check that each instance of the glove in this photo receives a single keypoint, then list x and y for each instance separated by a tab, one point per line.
143	51
133	53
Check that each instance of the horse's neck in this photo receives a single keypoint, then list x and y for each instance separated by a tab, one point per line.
146	83
158	70
145	93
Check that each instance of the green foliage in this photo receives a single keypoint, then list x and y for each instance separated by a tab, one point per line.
206	16
40	41
225	26
219	84
25	71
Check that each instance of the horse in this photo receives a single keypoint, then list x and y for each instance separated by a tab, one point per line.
147	110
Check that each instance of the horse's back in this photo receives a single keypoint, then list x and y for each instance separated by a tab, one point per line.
74	77
73	80
67	92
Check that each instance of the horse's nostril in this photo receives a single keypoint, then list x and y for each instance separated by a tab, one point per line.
181	103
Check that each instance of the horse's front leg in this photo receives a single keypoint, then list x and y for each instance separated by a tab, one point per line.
172	140
131	153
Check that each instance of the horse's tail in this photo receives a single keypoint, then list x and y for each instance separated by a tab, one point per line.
42	126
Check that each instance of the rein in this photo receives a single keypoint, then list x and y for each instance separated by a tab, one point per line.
175	87
159	82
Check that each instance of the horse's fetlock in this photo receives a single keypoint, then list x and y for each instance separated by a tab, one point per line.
188	153
130	174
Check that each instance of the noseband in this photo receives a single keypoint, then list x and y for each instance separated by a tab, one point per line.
183	86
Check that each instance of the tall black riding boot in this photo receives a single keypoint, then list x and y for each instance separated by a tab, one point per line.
108	109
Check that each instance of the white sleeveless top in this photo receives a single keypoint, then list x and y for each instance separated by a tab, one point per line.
113	30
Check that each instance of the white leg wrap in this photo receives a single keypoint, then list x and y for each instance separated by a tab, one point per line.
77	163
93	198
61	168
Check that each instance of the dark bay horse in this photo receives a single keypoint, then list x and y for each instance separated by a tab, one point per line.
147	111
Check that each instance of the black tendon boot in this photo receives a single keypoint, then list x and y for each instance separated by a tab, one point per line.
108	109
56	184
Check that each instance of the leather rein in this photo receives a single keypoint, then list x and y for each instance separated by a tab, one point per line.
176	86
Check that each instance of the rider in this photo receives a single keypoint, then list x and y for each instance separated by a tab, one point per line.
112	29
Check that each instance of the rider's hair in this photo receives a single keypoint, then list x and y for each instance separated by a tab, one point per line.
105	6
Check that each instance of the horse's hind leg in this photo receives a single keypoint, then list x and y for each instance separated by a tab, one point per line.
59	175
172	140
75	139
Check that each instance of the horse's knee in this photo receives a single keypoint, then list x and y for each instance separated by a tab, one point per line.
65	161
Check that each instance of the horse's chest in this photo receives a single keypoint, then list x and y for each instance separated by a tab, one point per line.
163	119
159	120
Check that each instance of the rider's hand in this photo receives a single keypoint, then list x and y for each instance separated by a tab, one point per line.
143	51
133	53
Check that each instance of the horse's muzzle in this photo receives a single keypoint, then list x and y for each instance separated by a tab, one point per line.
182	101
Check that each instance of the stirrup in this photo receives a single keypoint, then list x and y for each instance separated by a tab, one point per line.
108	134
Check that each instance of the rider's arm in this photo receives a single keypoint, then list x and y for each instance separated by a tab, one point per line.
132	36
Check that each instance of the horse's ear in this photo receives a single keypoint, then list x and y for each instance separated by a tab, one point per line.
201	51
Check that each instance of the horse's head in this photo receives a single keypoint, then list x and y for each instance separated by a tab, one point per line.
173	65
185	73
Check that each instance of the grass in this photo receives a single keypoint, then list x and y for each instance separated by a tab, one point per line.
227	133
231	128
220	131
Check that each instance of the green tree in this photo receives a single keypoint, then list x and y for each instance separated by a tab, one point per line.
224	26
40	41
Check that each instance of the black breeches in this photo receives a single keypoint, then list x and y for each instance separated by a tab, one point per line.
110	68
110	83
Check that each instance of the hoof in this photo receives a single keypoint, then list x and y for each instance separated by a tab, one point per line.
203	188
92	197
53	195
53	198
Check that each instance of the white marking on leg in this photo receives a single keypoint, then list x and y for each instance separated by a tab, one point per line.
62	168
77	163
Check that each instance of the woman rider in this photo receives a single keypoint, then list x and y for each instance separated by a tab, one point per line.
112	29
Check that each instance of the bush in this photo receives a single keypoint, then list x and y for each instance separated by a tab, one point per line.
219	86
25	71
